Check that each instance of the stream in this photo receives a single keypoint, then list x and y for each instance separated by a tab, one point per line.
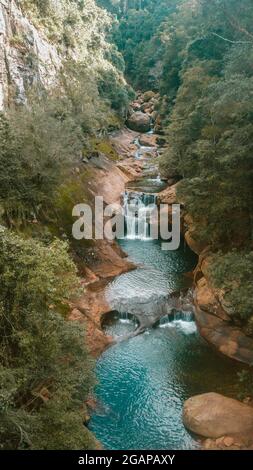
144	380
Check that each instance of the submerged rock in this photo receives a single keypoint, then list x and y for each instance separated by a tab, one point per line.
212	415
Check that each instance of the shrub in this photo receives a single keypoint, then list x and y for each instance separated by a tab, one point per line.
233	272
45	372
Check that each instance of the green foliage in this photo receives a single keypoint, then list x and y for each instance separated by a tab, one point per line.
28	170
36	146
246	384
45	373
39	143
116	93
81	100
233	273
137	36
210	126
80	30
207	80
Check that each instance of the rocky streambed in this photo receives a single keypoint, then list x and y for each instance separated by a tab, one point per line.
145	380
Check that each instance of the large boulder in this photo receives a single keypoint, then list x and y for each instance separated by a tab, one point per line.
139	122
212	415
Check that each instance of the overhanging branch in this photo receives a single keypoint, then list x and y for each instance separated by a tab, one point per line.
230	40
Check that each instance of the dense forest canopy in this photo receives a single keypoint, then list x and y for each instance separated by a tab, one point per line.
137	34
209	129
198	55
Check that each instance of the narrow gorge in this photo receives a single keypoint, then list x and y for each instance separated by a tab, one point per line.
156	358
116	341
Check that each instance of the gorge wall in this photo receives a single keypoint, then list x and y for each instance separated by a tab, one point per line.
26	55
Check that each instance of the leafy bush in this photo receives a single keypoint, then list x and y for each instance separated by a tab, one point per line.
45	373
114	91
36	146
233	272
40	142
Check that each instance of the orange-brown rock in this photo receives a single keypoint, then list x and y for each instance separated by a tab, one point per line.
109	262
214	317
190	236
108	181
89	309
148	140
228	443
105	259
123	142
207	301
194	244
225	338
214	416
168	195
88	276
131	168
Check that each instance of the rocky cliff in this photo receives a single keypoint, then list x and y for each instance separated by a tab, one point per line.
37	37
26	55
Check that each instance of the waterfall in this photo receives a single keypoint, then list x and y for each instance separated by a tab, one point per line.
138	209
177	316
125	317
182	320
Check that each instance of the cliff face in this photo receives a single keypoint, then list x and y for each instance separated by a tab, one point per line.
26	56
36	39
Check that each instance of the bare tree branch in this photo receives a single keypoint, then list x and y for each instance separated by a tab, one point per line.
230	41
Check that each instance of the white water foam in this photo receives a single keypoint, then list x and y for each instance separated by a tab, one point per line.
187	327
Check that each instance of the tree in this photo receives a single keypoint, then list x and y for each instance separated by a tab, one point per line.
45	372
208	82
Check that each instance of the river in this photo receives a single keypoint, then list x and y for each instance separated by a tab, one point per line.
143	381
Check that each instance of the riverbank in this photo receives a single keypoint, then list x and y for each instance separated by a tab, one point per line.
108	294
96	306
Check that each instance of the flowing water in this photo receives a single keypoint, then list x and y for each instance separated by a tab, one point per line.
143	381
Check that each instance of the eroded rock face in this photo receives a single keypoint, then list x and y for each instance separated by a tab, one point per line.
89	310
227	339
168	195
213	415
26	57
207	301
214	318
139	122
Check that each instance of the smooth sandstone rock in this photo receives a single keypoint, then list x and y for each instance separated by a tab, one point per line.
212	415
214	327
148	140
206	300
168	195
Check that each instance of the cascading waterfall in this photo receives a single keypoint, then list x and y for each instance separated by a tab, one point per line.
138	210
182	320
176	316
125	317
